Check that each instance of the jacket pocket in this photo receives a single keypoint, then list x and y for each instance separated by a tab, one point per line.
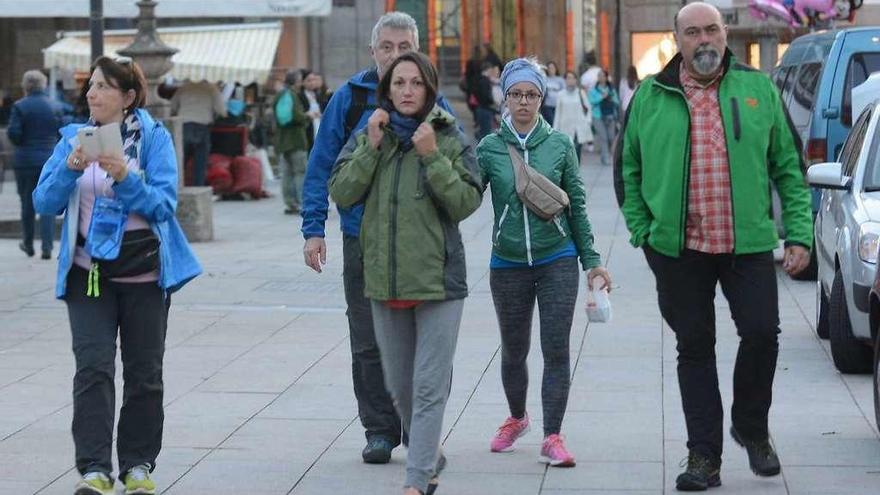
501	222
737	125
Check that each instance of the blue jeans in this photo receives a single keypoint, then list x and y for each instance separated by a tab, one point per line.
26	179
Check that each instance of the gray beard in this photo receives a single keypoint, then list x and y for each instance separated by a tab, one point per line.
706	62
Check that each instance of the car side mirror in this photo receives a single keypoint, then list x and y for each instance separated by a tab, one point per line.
828	176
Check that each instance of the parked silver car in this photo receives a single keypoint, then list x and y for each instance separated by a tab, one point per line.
847	240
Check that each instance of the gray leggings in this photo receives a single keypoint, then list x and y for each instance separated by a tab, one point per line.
514	290
417	347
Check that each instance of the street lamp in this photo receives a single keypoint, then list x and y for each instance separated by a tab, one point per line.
96	27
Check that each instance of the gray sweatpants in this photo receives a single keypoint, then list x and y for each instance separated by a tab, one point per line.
417	347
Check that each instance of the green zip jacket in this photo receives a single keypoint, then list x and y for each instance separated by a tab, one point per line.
519	235
652	162
412	206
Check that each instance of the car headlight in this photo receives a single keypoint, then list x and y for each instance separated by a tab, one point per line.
869	241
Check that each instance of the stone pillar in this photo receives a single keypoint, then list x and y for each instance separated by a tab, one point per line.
768	48
194	204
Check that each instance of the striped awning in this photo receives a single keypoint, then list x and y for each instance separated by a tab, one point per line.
241	53
169	8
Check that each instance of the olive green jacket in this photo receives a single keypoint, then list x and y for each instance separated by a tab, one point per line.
411	244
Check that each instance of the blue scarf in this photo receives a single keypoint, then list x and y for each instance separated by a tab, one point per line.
404	128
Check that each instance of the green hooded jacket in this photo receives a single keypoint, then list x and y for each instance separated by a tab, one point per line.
519	235
412	206
652	162
292	137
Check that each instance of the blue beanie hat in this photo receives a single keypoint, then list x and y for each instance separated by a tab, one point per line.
523	70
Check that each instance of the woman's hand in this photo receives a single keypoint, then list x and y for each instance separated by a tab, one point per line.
115	167
379	119
424	139
599	272
76	160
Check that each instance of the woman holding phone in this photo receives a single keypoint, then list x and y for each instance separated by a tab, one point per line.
122	255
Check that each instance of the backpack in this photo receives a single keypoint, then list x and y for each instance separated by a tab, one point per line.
359	103
284	109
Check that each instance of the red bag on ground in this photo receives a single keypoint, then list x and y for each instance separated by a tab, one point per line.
219	175
247	175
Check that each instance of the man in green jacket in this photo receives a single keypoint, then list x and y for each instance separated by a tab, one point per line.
702	142
291	142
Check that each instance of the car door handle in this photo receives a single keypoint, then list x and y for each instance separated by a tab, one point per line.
830	113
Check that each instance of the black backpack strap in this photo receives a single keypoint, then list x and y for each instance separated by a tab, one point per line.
359	103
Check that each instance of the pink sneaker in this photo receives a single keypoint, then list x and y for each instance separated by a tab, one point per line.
508	433
553	452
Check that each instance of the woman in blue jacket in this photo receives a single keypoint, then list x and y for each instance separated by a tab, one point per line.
131	199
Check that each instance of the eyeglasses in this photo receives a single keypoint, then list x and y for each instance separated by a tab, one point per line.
530	97
122	60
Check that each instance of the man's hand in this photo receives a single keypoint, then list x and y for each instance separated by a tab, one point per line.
315	252
424	140
379	119
795	260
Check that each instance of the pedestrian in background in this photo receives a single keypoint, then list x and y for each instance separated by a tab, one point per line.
291	141
413	253
605	106
708	224
127	298
33	128
555	85
628	87
197	104
572	116
486	110
349	109
534	259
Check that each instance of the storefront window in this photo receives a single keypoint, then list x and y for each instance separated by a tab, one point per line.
652	51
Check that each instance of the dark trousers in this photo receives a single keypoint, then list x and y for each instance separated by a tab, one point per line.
375	407
484	117
514	292
138	313
197	145
686	293
26	179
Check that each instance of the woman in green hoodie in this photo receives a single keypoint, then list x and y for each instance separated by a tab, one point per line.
417	179
535	259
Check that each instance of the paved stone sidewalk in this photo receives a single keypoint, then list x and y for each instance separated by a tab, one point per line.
259	397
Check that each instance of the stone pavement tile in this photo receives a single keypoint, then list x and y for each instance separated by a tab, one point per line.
389	481
220	405
607	476
197	432
268	439
212	476
314	401
614	437
601	492
815	480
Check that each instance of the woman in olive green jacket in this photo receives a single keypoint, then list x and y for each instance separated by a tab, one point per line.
417	180
535	259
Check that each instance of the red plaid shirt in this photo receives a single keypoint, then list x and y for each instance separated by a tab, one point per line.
710	214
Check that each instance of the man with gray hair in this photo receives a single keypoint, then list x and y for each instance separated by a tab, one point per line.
348	111
701	143
33	129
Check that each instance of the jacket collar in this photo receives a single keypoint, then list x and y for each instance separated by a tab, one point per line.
368	79
670	75
541	131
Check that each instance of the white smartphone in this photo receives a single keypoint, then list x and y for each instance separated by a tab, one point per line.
105	140
90	142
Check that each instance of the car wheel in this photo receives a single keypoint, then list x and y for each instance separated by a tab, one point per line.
877	379
811	272
850	354
821	311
